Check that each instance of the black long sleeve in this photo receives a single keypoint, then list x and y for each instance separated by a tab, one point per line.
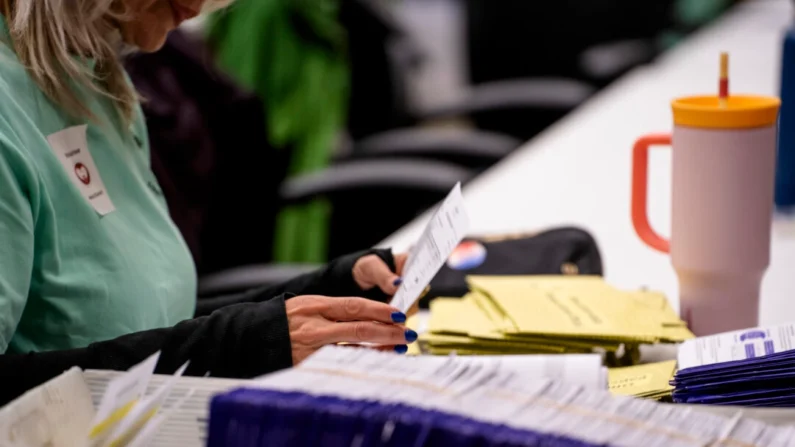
247	338
334	279
241	341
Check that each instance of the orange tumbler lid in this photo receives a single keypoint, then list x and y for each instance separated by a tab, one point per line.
738	112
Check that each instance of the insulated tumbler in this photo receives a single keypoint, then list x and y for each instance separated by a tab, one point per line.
724	162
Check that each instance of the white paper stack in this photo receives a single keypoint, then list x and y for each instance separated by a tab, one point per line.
114	409
513	390
186	427
367	398
57	413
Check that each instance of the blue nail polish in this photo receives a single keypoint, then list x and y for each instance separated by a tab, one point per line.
397	282
401	349
398	317
410	335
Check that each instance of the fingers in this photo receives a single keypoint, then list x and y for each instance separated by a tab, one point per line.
367	332
400	262
360	309
371	271
386	280
400	349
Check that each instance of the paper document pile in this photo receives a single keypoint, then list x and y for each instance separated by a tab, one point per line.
61	413
549	314
752	367
186	427
576	369
647	381
367	398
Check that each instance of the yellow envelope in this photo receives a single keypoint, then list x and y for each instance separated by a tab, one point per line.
448	341
676	334
500	319
642	380
567	342
657	302
458	316
458	351
573	306
413	322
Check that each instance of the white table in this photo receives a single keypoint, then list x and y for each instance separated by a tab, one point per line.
578	171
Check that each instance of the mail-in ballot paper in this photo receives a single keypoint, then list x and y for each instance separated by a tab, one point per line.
444	232
751	367
737	345
142	413
121	395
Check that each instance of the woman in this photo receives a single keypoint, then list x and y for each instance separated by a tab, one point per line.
93	273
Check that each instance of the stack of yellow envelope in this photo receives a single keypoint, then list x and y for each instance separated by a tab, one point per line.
550	314
647	381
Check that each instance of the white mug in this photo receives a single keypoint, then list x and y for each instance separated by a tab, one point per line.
724	159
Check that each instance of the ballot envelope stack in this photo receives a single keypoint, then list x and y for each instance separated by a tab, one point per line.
752	367
644	381
550	314
358	397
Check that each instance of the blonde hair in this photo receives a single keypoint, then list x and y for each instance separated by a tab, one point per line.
54	38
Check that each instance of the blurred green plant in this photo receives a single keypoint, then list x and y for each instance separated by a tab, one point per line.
292	53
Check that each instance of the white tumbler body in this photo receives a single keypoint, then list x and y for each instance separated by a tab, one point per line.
722	207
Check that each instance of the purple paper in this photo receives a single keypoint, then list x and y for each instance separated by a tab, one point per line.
741	395
764	402
780	357
722	377
759	378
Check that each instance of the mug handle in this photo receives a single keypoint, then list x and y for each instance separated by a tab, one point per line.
640	176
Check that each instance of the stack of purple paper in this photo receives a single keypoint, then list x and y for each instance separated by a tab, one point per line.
753	367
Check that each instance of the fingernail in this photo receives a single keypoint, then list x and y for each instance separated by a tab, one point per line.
401	349
398	317
410	335
397	282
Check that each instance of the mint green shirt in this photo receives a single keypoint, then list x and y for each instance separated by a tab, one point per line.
70	276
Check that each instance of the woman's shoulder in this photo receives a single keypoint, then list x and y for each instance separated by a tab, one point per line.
14	87
17	168
22	133
15	82
26	115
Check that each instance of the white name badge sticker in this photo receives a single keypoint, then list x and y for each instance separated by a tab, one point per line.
71	147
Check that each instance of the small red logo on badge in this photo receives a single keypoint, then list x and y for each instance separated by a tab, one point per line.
81	171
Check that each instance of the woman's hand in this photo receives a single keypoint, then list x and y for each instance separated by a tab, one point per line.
316	321
370	271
